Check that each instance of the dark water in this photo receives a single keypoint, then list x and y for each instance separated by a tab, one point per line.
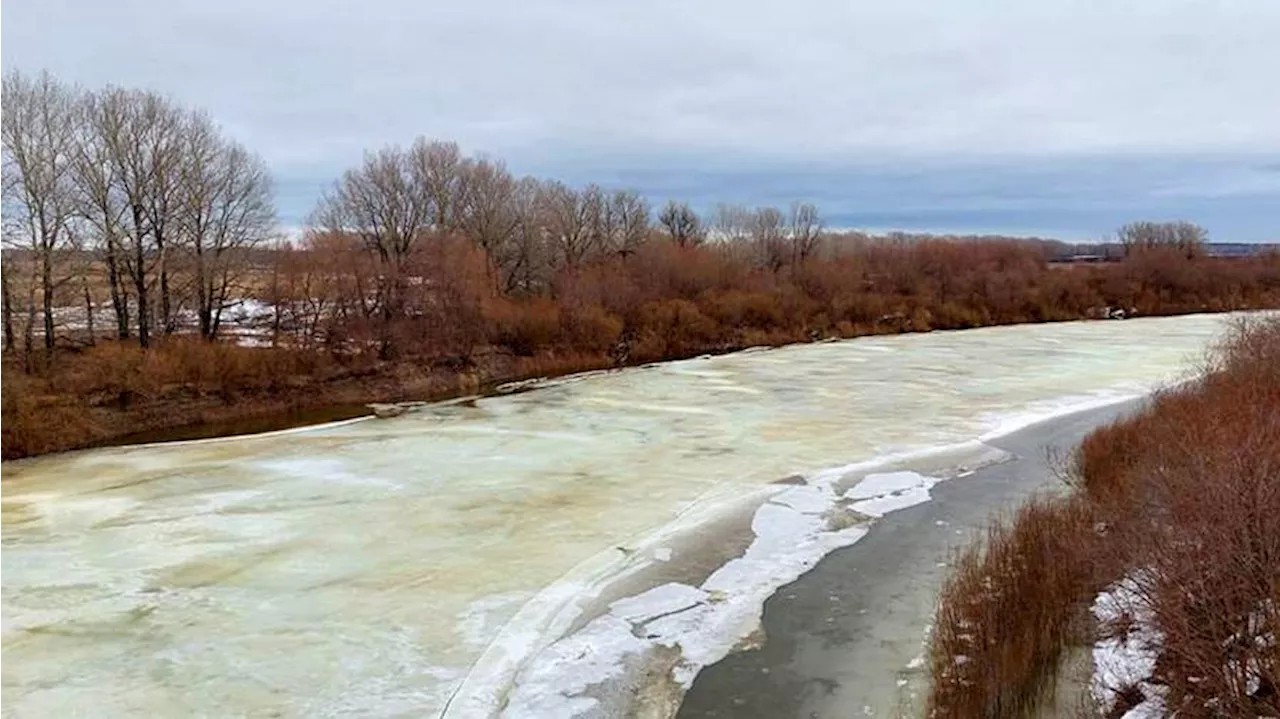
251	425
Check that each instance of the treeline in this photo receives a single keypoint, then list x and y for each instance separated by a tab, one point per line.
123	192
145	284
1179	505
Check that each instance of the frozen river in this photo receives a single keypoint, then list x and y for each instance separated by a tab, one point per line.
396	567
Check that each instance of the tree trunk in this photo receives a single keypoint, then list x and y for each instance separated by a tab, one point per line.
144	308
166	315
8	309
46	289
119	300
204	296
28	332
88	307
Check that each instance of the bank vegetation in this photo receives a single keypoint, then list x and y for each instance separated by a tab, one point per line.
1174	526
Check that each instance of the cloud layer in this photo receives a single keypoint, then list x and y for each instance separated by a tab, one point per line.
1053	101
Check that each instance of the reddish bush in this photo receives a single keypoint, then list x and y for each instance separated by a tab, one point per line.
1184	498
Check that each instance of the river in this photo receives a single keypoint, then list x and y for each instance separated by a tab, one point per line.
398	567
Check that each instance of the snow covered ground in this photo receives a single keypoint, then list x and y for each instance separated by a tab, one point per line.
1125	658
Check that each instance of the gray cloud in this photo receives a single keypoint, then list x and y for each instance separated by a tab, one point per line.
564	84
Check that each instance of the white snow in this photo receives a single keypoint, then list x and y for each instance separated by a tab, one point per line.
661	600
793	530
880	506
880	494
877	485
1127	659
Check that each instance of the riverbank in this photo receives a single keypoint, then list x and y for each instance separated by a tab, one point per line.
849	637
172	393
1165	562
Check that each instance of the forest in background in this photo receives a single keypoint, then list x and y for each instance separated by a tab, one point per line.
146	285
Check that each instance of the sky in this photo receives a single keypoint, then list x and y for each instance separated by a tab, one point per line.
1046	117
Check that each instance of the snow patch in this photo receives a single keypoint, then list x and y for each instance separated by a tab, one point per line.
880	494
794	529
876	485
1127	656
661	600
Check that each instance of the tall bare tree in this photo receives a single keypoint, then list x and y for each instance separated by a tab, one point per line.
805	230
731	223
487	212
38	196
768	235
143	136
568	217
384	203
627	222
226	211
527	267
8	205
443	173
681	224
101	204
1187	237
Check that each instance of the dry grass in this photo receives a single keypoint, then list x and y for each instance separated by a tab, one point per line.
1008	610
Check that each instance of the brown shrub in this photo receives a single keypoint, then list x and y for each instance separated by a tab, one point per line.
591	329
1005	613
1186	494
679	324
525	327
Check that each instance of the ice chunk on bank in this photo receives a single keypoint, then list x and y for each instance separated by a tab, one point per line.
878	485
880	494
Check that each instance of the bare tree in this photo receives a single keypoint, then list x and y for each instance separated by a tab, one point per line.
681	224
1187	237
385	204
768	234
569	219
443	173
8	184
805	230
226	210
100	201
39	141
628	222
732	223
143	133
527	267
487	214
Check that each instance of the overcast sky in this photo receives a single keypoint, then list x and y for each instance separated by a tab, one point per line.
1033	116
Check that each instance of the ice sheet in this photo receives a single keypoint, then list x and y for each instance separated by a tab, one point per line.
334	568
